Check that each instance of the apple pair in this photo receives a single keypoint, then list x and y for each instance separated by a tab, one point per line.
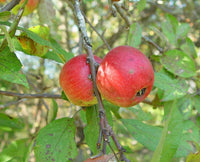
125	77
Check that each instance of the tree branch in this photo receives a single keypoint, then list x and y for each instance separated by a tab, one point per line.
101	36
105	127
20	95
128	23
10	5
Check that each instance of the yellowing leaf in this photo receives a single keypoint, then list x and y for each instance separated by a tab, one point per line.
30	46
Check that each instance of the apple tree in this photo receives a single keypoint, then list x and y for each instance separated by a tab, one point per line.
104	80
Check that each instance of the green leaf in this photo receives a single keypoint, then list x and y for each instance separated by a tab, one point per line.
53	56
173	88
189	48
179	63
141	5
17	151
185	106
109	116
191	136
169	32
63	96
113	108
5	15
55	142
60	51
182	30
135	35
170	138
196	103
52	113
83	116
145	134
173	21
8	38
9	68
7	121
91	131
141	115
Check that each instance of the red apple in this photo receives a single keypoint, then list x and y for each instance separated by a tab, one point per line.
2	1
29	8
125	76
75	82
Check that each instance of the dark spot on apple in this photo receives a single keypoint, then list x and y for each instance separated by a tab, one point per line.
131	71
50	134
48	146
53	159
141	92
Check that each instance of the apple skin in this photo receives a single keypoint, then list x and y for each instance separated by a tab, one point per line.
125	76
75	82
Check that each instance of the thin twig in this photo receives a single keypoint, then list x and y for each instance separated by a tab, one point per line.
10	5
12	103
147	39
101	36
128	23
44	95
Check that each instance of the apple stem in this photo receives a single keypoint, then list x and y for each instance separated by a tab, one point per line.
105	128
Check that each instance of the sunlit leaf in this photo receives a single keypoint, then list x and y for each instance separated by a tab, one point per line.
91	131
145	134
179	63
141	115
173	88
17	151
170	138
10	67
56	142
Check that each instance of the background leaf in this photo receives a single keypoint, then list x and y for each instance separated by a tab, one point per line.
139	131
17	151
189	48
170	138
91	131
5	15
9	68
135	35
56	142
178	63
141	5
7	121
173	88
